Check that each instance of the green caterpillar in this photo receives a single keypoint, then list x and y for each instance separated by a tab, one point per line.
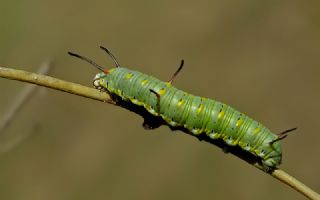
197	115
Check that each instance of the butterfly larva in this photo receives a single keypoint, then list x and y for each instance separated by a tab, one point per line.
196	114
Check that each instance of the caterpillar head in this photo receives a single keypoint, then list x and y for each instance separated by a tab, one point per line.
272	156
100	80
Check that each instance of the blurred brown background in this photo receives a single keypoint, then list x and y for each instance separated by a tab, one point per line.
261	57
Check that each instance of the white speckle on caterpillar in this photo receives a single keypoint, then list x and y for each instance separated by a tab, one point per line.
247	147
230	141
213	135
173	123
196	131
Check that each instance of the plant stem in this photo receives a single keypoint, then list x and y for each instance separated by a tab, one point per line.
54	83
91	93
289	180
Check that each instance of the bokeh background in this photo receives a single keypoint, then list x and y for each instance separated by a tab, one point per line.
261	57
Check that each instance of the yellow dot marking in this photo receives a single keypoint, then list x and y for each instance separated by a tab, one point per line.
235	142
256	130
162	91
180	103
200	108
144	82
168	120
111	70
221	114
118	92
239	122
129	75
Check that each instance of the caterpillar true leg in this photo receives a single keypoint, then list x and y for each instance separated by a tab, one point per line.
176	73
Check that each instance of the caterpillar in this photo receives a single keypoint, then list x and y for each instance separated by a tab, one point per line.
197	115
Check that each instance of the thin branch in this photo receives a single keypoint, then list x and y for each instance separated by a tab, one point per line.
54	83
295	184
91	93
289	180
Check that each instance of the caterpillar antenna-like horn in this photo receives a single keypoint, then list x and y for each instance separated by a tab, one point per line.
177	72
87	60
287	131
283	135
111	55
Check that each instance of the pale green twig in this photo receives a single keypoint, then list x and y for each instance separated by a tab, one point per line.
54	83
292	182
